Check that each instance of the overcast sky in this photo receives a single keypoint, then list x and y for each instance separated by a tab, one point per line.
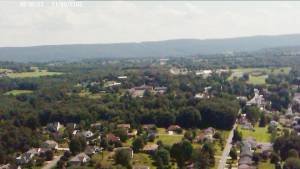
128	21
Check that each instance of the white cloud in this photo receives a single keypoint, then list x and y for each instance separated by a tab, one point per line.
124	21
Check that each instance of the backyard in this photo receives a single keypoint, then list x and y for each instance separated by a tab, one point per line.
260	134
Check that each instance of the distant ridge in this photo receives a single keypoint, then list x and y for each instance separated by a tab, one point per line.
166	48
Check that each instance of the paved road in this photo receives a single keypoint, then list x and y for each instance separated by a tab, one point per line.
226	149
52	163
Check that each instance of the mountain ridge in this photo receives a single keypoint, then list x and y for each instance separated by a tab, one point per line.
165	48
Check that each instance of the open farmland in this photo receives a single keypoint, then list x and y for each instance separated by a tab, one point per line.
18	92
258	75
32	74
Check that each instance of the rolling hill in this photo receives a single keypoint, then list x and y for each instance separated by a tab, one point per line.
167	48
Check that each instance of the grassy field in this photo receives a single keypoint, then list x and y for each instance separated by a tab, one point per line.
266	165
259	79
260	134
105	159
32	74
138	159
166	138
85	93
18	92
143	159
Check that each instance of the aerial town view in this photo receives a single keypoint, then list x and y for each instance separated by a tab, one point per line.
149	85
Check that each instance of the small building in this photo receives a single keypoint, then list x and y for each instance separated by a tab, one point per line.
72	126
209	131
173	128
160	90
87	134
54	127
27	156
97	125
140	167
247	126
149	127
112	138
90	150
245	166
50	144
9	166
274	123
124	126
133	133
257	100
79	159
150	148
122	77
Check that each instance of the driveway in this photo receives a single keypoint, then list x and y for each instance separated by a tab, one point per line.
52	164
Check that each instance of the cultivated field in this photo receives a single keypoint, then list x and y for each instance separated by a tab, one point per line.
32	74
258	75
17	92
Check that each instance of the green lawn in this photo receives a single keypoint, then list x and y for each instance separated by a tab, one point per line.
143	159
32	74
266	165
260	79
138	159
260	134
166	138
18	92
105	158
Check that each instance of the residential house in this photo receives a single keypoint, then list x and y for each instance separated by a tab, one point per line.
245	166
133	133
50	144
122	77
112	138
251	141
246	154
204	73
200	138
90	150
285	122
79	159
9	166
112	84
140	167
273	123
54	127
257	100
124	126
206	135
266	148
87	134
289	111
97	125
247	126
27	156
150	148
173	128
72	126
210	131
139	91
149	127
160	90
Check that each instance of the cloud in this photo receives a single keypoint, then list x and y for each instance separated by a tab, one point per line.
124	21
